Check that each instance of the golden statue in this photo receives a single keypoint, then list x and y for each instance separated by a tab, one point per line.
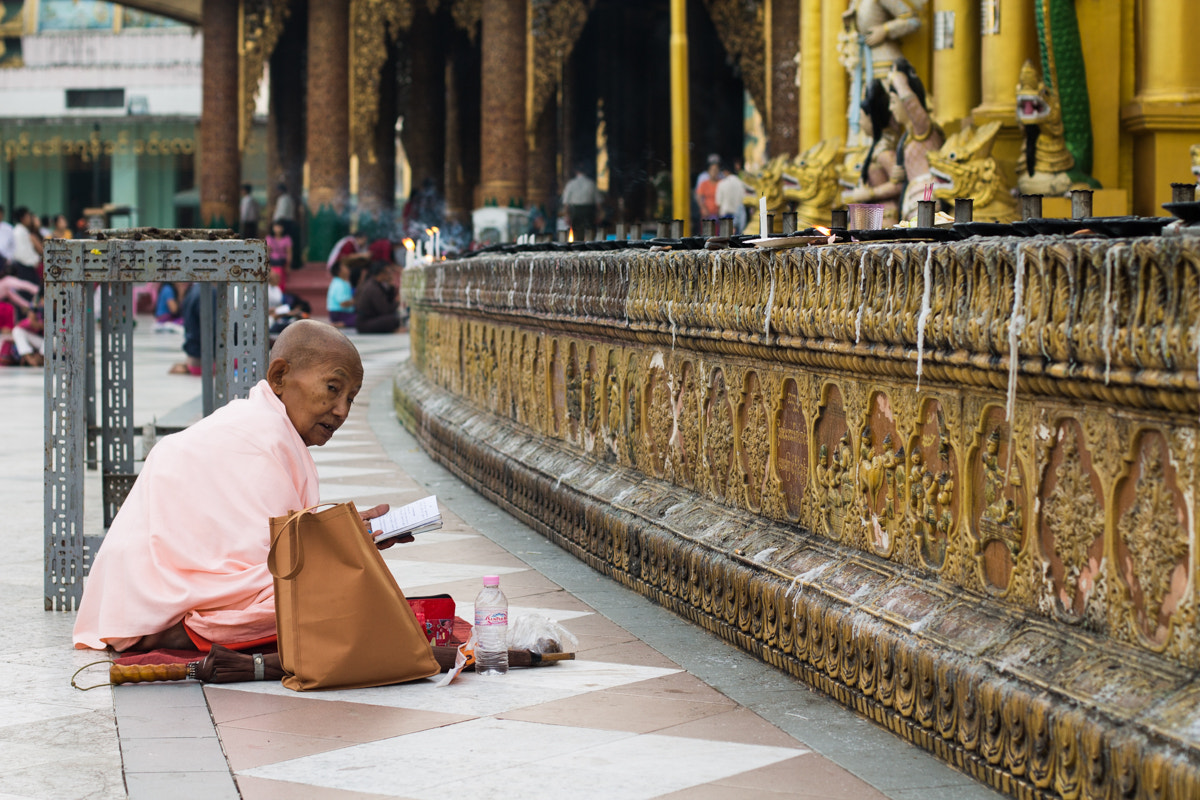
767	183
1044	161
814	176
964	167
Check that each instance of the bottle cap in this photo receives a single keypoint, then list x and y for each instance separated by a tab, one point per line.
491	580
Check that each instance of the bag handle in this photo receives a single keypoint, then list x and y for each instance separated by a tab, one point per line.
292	528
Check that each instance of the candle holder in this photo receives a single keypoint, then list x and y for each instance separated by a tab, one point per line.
635	232
676	229
840	219
770	226
725	228
865	216
790	219
620	231
925	213
1183	192
1031	206
1081	203
964	209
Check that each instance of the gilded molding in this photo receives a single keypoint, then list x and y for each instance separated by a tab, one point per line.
373	23
262	24
555	25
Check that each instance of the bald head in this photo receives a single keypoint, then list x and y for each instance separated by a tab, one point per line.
315	370
306	341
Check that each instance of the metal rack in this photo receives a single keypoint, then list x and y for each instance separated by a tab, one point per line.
85	420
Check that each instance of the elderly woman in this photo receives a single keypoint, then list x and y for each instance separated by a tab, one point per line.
185	561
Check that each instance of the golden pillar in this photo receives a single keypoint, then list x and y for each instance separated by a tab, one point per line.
1164	116
458	206
1108	57
810	73
834	85
681	196
377	161
955	80
784	32
220	156
541	181
1009	38
503	147
328	120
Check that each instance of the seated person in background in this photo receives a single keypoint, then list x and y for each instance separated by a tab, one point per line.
28	341
168	309
19	292
377	302
283	308
185	561
339	299
345	247
191	330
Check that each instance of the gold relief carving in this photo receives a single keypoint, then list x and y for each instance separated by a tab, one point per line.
538	388
1152	542
1071	528
791	448
753	438
467	15
945	701
833	644
634	431
905	700
1000	507
373	23
835	467
881	477
611	415
925	712
686	438
261	26
993	739
785	612
968	712
574	393
932	483
885	661
1042	746
555	25
816	635
1068	766
1014	711
557	417
593	391
660	419
718	436
868	675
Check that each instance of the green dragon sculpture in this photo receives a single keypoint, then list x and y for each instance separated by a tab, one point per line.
1064	72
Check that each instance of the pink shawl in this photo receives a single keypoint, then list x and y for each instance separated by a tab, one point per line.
191	541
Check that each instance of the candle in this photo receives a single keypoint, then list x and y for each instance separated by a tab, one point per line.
762	216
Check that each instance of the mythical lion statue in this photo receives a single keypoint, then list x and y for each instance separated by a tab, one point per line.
964	167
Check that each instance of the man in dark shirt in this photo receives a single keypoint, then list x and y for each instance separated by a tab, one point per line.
377	301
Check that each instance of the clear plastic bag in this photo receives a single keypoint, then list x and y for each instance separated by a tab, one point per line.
539	634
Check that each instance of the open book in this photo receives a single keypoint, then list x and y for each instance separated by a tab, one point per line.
418	517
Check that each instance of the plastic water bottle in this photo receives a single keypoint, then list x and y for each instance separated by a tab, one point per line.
491	628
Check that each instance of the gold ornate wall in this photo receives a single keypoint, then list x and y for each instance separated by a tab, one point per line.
754	421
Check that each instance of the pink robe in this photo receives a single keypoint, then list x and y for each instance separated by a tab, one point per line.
191	541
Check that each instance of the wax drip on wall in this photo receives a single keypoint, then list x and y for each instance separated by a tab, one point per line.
862	299
923	317
1015	326
1108	331
770	299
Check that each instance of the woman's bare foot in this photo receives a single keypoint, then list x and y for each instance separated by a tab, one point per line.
173	638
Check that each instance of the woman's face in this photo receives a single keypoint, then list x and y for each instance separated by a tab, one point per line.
277	230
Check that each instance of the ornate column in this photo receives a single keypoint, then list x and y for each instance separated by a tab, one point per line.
955	78
328	123
680	138
1009	37
220	157
810	73
833	75
1164	116
377	161
783	137
503	147
541	183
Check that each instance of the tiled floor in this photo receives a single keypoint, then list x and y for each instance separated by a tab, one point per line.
635	716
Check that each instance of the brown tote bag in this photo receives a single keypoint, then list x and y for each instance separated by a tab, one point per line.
343	622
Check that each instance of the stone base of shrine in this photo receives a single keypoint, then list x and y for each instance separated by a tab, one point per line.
1033	709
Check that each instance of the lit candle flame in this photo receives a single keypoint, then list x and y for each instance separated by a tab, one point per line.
570	234
410	245
823	230
434	229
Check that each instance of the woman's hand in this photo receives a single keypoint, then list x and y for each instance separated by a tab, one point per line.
379	511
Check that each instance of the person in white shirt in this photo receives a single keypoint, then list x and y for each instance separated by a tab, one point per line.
27	246
248	213
6	240
581	198
285	206
731	194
